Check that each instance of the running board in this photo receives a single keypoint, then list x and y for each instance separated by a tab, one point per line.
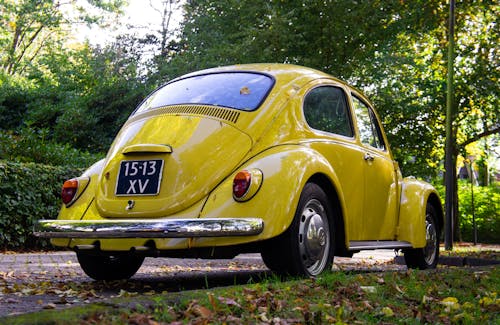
358	245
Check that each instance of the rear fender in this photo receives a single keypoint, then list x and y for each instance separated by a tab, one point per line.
286	169
77	209
415	195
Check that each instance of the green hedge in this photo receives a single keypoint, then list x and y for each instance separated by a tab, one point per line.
486	210
30	145
28	192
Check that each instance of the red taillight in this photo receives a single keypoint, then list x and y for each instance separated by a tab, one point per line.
241	183
246	184
69	190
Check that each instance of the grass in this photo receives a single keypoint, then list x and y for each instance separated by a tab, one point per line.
442	296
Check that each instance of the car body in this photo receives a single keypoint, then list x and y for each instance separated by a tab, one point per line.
272	158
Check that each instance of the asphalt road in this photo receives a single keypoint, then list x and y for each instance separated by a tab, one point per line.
35	281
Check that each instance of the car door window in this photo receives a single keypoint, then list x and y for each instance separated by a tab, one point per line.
325	109
369	129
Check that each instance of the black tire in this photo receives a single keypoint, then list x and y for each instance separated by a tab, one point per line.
428	256
112	267
307	247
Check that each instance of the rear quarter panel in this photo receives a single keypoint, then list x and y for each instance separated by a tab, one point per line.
286	169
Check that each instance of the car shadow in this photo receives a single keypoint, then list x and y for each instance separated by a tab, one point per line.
155	283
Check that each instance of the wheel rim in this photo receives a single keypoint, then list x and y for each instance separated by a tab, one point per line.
314	237
431	238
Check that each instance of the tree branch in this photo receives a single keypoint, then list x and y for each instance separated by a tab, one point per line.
495	129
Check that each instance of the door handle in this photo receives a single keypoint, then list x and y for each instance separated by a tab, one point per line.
368	157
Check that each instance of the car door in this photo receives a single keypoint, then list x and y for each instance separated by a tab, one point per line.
380	183
329	116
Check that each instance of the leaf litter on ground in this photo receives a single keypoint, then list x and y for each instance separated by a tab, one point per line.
442	296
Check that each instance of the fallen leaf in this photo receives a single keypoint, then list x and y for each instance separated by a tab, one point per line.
367	305
426	299
202	311
451	303
398	289
245	91
124	293
369	289
212	301
141	319
229	302
387	311
263	317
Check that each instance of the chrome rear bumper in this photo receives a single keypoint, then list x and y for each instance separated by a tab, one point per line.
157	228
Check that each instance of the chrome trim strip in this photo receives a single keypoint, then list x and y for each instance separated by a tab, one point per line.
378	244
163	228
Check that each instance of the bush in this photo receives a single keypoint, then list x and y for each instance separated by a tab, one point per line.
29	145
486	211
29	192
15	96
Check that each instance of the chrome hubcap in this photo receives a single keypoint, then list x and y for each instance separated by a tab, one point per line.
431	237
314	237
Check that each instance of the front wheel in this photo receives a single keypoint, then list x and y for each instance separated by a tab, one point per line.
428	256
307	247
109	267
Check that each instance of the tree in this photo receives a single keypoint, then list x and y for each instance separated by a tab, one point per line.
408	83
327	35
166	9
85	95
35	26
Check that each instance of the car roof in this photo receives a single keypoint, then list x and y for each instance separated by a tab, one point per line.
277	70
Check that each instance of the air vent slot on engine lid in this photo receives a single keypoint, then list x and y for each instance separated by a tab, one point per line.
226	114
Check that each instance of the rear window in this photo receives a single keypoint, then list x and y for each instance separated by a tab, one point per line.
239	90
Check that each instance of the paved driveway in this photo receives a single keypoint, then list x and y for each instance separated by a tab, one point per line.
36	281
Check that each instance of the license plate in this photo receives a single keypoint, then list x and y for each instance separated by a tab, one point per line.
139	177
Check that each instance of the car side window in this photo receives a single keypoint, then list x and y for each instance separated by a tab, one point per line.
325	109
369	130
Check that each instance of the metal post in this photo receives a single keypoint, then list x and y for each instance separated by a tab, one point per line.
474	228
450	177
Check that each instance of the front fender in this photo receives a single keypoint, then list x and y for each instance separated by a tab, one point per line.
415	195
285	170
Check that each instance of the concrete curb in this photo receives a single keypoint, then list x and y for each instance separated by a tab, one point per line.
456	261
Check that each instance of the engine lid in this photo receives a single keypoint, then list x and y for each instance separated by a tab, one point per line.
162	164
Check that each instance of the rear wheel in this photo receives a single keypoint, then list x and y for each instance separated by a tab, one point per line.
428	256
307	247
109	267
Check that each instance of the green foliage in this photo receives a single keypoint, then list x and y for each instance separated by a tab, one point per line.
486	211
29	192
33	29
14	100
82	105
407	81
29	145
327	35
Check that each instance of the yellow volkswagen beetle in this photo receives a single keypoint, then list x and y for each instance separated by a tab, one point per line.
278	159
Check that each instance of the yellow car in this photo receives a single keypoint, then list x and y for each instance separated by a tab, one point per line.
278	159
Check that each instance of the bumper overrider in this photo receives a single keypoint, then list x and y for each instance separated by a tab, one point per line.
158	228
